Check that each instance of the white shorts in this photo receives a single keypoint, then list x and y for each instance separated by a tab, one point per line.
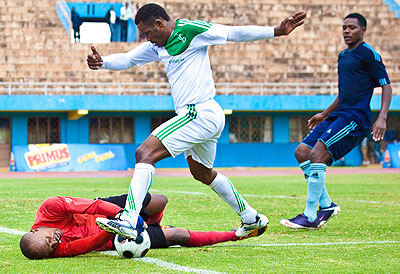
194	131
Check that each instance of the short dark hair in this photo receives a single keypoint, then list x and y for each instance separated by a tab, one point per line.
361	19
151	12
26	250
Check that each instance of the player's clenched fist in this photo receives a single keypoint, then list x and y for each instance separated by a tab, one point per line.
94	60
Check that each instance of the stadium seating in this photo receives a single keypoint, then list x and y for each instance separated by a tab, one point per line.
34	47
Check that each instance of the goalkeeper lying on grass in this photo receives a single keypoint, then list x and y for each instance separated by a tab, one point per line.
66	227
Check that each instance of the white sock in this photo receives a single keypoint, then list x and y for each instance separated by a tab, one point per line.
227	192
141	182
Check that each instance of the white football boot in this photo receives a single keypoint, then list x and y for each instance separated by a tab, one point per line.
245	229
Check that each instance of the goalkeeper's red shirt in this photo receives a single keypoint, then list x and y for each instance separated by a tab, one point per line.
76	217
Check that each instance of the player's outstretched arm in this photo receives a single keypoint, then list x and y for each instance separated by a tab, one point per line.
94	59
379	127
254	33
290	23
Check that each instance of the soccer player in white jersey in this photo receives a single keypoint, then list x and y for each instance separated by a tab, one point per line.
182	46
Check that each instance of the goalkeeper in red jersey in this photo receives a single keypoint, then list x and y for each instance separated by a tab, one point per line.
66	227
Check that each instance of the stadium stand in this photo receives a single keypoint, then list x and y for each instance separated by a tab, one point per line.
38	58
35	48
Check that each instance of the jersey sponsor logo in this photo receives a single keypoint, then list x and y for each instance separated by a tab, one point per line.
47	156
176	61
329	130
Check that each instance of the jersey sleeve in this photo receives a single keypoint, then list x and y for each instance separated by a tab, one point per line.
249	33
83	246
52	209
214	34
58	207
145	53
377	68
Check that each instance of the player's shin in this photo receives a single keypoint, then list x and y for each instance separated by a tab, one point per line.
227	192
141	182
324	200
315	185
202	238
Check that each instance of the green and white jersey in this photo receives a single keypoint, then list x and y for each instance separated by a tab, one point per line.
185	57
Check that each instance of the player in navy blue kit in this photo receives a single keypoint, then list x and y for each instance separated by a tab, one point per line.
344	124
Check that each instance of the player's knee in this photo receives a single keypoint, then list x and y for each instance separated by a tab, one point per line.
163	200
204	177
180	237
320	153
138	155
196	175
316	156
302	153
142	155
298	153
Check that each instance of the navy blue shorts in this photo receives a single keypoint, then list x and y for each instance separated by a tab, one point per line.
339	134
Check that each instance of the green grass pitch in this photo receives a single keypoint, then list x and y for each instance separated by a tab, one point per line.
369	224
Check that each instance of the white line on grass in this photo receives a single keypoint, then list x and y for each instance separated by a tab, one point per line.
375	202
167	264
178	191
315	244
157	262
276	196
273	196
247	195
11	231
303	198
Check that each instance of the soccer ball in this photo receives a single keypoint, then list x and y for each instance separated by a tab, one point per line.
129	248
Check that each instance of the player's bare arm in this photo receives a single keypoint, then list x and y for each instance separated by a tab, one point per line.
94	60
379	127
290	23
320	117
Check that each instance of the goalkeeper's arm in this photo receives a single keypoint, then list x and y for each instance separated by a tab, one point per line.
101	241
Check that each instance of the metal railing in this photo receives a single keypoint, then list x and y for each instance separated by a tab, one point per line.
143	88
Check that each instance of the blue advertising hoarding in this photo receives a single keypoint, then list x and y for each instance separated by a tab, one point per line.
68	157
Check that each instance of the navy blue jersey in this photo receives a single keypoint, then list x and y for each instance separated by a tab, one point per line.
360	70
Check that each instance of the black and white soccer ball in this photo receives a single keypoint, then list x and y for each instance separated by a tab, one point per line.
129	248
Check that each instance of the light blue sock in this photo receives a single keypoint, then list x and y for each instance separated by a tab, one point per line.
305	167
315	184
324	200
